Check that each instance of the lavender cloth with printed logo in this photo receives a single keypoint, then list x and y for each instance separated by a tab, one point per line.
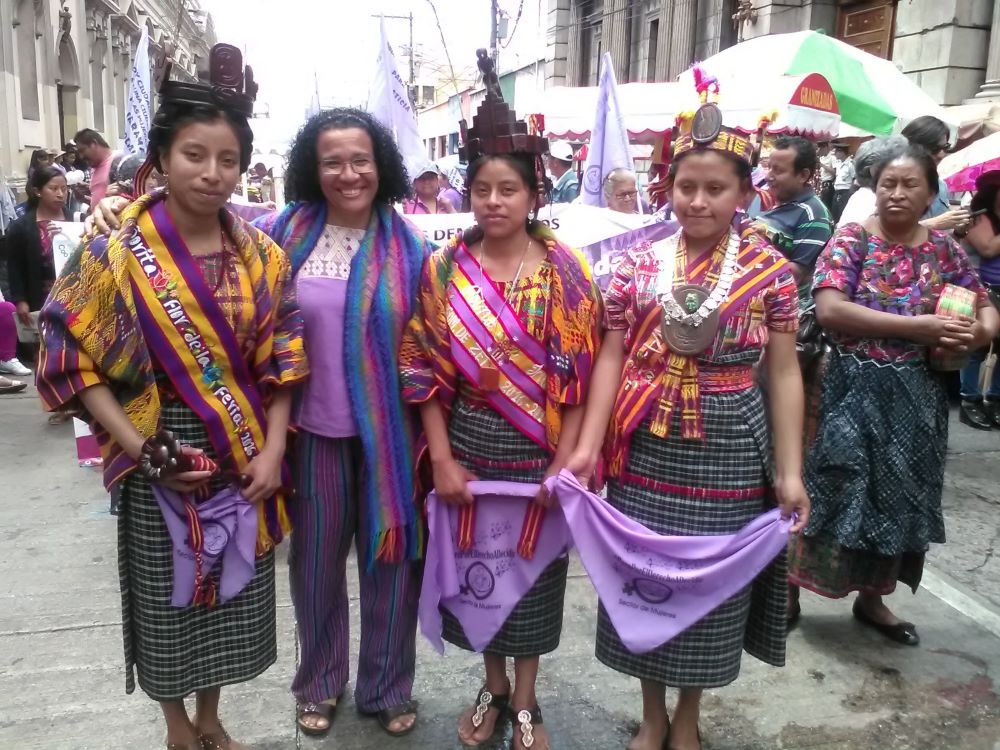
229	528
482	586
654	587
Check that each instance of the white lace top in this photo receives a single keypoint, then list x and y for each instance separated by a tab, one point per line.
331	258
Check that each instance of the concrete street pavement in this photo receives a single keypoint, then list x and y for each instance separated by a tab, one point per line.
845	688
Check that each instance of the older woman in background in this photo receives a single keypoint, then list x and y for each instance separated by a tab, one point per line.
875	473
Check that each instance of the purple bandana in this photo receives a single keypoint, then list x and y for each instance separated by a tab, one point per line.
482	585
228	529
654	587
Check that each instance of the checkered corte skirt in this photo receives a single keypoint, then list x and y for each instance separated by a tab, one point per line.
688	487
490	447
176	651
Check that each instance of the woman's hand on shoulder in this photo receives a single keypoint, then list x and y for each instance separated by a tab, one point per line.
953	218
451	482
104	217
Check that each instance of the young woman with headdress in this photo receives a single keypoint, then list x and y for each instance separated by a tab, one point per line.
498	357
356	267
185	321
688	447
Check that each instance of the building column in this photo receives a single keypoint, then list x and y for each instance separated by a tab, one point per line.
991	89
616	26
664	42
561	44
682	37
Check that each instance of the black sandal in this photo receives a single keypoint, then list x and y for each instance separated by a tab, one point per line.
524	722
386	716
486	700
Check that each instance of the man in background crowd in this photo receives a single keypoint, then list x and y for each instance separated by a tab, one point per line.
98	154
565	184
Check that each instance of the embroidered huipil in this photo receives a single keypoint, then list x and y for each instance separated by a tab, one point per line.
559	304
763	298
892	278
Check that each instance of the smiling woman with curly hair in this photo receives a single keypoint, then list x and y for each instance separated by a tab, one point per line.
356	264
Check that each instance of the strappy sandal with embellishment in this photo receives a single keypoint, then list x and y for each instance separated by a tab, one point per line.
196	745
486	700
524	723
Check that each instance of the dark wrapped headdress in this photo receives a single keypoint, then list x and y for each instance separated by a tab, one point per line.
228	85
495	128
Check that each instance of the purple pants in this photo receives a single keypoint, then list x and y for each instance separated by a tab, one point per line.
8	331
328	516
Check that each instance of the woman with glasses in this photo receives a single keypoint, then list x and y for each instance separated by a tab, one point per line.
933	134
357	266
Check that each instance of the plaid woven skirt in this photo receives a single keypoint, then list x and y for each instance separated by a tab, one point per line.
875	475
178	650
491	448
686	488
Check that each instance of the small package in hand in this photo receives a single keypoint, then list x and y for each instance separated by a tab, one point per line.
954	302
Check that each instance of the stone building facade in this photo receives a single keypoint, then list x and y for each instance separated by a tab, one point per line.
943	45
65	64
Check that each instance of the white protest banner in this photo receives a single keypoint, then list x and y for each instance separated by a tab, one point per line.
137	115
64	244
389	102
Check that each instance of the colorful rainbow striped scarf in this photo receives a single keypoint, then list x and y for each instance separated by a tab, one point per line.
381	295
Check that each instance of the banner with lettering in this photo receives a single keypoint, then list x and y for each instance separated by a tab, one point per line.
389	102
137	115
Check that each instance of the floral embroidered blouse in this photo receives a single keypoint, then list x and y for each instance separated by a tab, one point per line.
895	279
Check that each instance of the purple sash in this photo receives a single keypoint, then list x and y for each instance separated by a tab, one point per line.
654	587
223	526
482	585
512	352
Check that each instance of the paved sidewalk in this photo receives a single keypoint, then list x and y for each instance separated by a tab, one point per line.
61	676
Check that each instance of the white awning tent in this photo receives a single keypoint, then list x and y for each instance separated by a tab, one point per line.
801	105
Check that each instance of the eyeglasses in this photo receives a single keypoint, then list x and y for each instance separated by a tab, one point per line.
359	165
629	196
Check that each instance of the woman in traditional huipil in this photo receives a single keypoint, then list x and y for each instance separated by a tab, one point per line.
876	469
356	265
185	321
498	356
689	450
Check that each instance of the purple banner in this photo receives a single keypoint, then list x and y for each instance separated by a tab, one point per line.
654	587
228	531
482	585
604	256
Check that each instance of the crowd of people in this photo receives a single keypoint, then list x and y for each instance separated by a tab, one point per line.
762	356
